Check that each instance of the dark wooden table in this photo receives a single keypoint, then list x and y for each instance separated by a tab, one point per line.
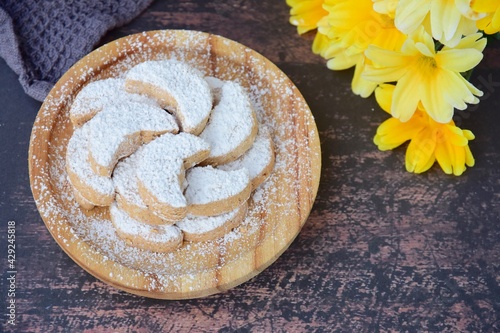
383	250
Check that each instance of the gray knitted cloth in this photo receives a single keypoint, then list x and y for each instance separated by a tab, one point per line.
41	39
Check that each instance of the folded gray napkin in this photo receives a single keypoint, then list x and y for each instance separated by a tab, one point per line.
41	39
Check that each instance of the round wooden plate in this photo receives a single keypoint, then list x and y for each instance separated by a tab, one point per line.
278	208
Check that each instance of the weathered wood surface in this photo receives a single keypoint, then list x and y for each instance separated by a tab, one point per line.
382	250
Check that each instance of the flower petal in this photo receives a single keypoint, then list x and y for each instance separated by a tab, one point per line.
359	85
456	92
451	158
320	42
410	14
393	132
469	159
468	135
444	159
473	41
305	14
424	49
383	95
387	7
386	58
484	6
445	18
472	89
381	75
420	153
454	135
433	102
460	60
406	97
342	61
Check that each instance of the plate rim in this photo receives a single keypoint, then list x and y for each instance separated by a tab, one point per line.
40	140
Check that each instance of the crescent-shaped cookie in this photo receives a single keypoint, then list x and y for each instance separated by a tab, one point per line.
98	94
164	238
259	160
232	126
177	87
161	172
205	228
97	190
127	191
84	203
212	191
119	130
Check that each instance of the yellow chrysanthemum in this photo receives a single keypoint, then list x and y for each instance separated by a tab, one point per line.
430	141
490	24
446	20
347	31
356	25
305	14
427	76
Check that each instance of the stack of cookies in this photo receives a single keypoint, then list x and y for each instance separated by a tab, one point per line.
174	154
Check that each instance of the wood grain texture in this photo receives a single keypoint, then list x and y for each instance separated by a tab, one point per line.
382	251
274	219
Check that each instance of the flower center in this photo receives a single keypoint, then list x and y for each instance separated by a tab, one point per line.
426	65
386	21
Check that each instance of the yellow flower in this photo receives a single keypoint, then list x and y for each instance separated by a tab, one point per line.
347	31
427	76
490	24
305	14
446	20
356	25
430	141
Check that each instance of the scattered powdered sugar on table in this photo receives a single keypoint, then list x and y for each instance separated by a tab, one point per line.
60	211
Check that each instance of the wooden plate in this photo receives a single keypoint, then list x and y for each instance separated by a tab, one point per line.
277	211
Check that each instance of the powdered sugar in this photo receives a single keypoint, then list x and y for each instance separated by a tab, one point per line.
215	86
119	129
257	158
125	179
204	224
97	95
272	97
161	168
80	171
164	183
208	184
232	125
184	84
156	235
